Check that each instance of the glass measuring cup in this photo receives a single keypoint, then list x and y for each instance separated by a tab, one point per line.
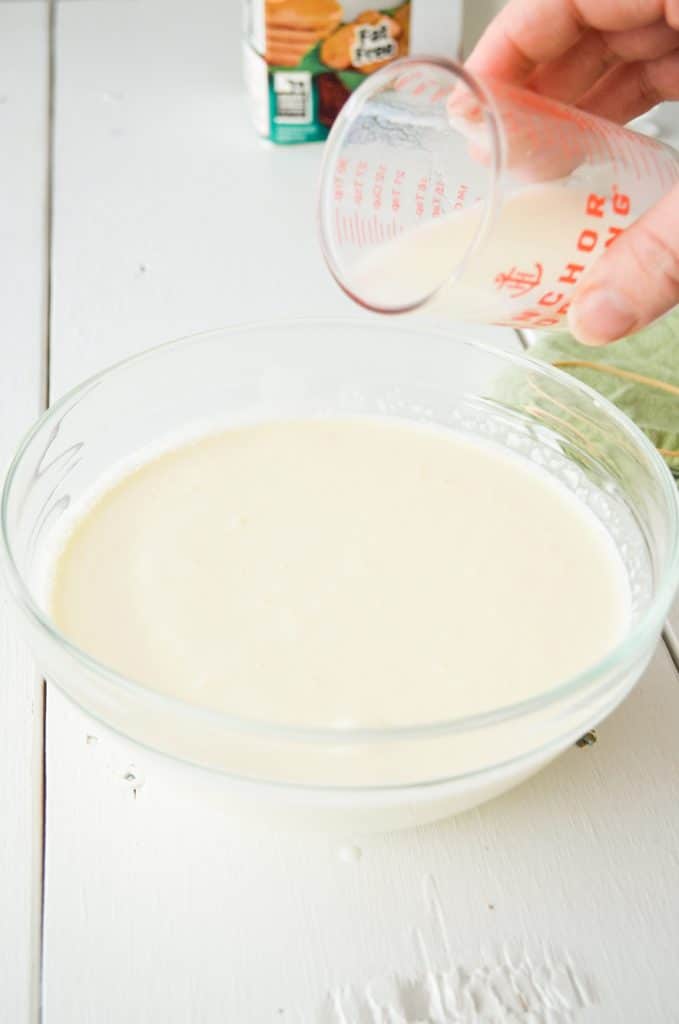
476	199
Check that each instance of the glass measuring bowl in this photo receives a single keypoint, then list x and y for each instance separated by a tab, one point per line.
476	199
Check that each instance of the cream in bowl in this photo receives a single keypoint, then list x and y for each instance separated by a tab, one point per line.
356	570
327	572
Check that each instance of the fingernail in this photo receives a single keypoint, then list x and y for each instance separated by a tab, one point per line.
600	315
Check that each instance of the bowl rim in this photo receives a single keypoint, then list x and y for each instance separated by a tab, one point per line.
632	643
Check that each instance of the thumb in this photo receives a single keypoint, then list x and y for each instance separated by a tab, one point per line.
634	281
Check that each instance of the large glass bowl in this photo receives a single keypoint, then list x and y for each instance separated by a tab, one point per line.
375	778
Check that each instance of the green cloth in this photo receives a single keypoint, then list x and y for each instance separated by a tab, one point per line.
640	374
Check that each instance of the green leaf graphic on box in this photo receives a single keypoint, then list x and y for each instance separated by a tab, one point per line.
350	79
311	61
640	374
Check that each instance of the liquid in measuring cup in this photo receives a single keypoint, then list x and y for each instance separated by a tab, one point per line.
480	201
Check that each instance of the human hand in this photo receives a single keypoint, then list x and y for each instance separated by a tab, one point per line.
616	59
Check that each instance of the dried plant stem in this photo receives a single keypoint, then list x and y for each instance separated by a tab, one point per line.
615	371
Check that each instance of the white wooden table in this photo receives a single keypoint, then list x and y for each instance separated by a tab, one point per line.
137	205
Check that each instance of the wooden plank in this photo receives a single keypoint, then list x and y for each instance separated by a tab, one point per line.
23	177
171	215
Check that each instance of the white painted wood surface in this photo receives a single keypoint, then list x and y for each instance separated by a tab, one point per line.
161	910
171	217
23	179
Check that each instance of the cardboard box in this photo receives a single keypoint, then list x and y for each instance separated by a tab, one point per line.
303	58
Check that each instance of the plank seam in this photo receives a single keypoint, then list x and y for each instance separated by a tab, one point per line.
46	375
671	645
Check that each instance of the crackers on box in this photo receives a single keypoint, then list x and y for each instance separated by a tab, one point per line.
303	58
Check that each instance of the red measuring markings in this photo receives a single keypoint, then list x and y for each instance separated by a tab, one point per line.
338	179
378	186
460	197
399	178
428	87
439	197
359	181
420	193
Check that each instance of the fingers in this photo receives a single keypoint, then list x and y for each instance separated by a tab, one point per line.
635	281
631	89
524	35
527	33
643	43
569	77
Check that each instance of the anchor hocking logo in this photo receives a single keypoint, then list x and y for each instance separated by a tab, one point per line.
519	282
